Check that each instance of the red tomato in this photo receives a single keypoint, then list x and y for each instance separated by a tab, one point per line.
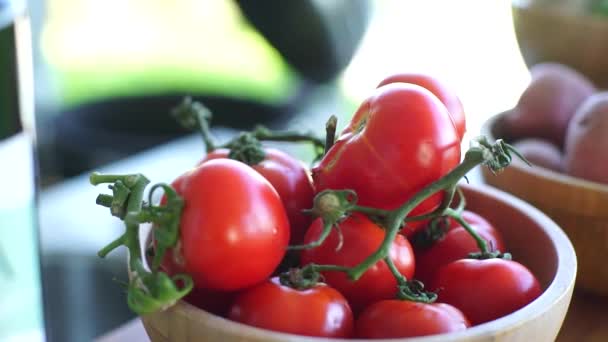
400	140
401	318
233	228
456	244
444	93
486	289
292	181
361	237
476	220
319	311
215	302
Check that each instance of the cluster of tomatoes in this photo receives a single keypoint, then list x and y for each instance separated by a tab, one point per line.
239	220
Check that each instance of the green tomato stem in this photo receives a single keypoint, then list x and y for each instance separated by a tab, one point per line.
120	241
327	226
391	266
370	211
147	290
194	115
393	222
263	133
330	132
481	243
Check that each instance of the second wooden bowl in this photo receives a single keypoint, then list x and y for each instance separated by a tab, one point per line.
579	207
554	31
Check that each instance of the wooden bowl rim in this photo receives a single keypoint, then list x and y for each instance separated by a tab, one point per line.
549	175
561	285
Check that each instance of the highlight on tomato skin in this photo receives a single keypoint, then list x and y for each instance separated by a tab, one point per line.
444	92
486	289
401	318
401	139
231	213
319	311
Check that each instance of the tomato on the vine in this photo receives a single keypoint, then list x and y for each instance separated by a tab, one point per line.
233	228
485	290
400	140
291	179
444	93
356	238
456	244
215	302
402	318
318	311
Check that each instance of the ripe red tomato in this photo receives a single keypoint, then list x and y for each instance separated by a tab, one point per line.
476	220
319	311
215	302
361	237
292	181
456	244
486	289
233	228
444	93
401	318
400	140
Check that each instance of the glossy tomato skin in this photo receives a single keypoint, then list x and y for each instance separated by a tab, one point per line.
231	213
400	318
399	140
443	91
485	290
456	244
291	179
319	311
361	237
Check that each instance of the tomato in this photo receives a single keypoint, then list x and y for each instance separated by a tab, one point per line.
475	219
486	289
401	318
400	140
215	302
456	244
361	237
444	93
233	229
292	181
319	311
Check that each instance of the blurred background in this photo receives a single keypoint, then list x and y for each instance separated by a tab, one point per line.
108	72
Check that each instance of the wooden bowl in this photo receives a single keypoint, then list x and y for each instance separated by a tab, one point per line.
534	239
578	206
551	32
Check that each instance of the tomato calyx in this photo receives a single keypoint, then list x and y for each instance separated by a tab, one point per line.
435	231
334	206
300	278
490	255
496	155
413	290
149	289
